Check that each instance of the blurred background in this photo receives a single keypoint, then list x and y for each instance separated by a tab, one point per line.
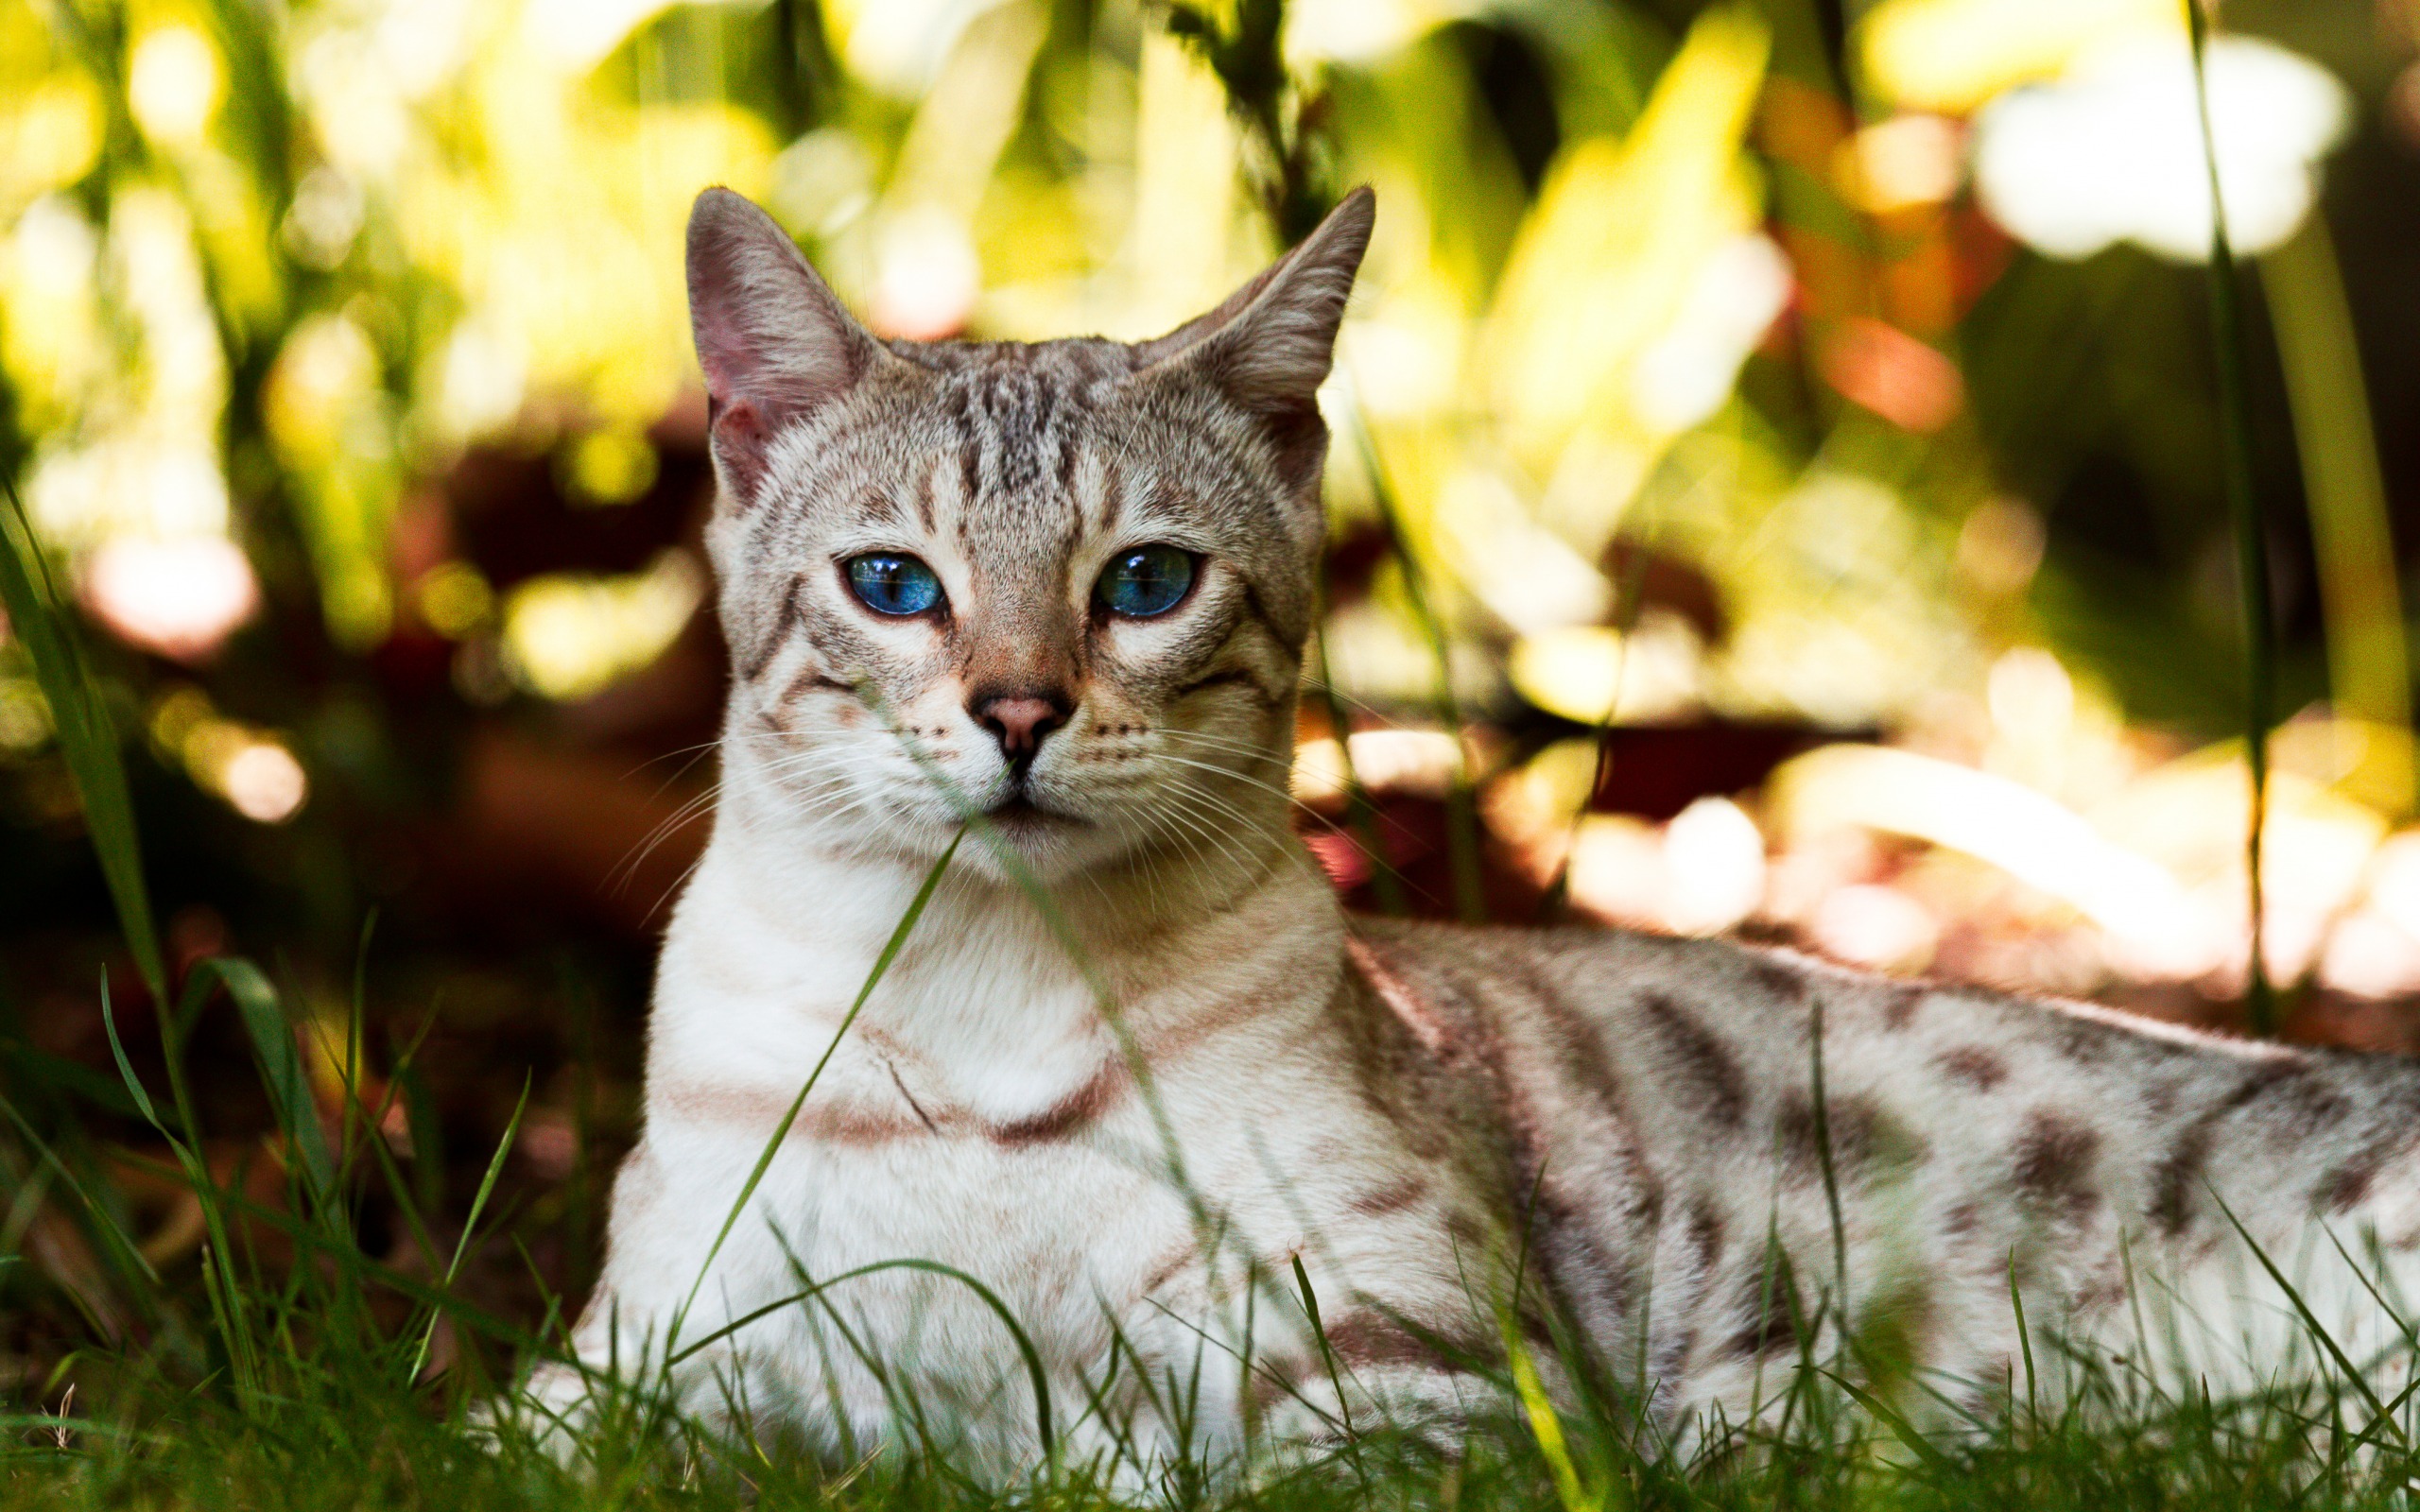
1777	490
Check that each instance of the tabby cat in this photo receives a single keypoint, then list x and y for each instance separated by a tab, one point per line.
1138	1082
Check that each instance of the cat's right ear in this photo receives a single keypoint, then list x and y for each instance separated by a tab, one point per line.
775	341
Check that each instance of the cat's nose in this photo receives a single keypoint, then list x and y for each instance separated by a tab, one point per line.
1018	722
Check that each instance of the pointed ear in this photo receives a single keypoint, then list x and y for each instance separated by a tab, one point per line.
774	342
1268	346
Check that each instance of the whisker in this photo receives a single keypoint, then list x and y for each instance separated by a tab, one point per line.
1245	778
1182	799
626	870
1325	687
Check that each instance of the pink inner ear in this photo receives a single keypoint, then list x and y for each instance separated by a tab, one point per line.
740	436
723	352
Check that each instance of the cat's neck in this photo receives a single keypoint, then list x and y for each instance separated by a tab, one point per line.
1000	986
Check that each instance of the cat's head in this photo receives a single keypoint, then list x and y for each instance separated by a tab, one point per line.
1067	585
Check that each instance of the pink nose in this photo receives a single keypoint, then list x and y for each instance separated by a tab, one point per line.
1020	722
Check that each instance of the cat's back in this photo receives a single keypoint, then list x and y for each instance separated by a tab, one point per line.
1710	1040
1690	1109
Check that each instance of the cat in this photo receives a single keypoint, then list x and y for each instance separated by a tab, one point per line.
1139	1098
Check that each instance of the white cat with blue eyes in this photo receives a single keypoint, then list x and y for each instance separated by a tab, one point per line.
1066	586
1133	1079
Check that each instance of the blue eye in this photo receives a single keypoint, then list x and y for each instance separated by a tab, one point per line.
889	583
1145	581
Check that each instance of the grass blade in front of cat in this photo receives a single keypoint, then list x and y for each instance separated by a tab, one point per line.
782	1130
1310	1301
972	819
1546	1425
1036	1375
2354	1376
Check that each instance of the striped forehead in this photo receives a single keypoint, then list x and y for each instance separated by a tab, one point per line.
1010	457
1012	454
1014	434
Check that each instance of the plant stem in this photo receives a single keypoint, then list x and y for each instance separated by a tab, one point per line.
2243	508
2369	665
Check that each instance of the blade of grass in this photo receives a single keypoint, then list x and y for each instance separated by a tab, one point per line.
1209	1228
411	1200
2025	1342
89	744
104	1221
2353	1375
1036	1375
224	1287
351	1126
471	1224
1461	812
1545	1424
348	1257
1823	1158
1310	1301
1893	1419
273	1037
782	1130
86	738
2233	357
2369	671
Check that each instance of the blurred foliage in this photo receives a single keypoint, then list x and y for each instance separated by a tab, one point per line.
1725	382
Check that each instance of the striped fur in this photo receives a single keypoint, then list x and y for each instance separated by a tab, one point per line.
1618	1153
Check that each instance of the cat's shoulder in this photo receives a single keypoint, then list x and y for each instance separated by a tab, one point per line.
1605	973
1600	965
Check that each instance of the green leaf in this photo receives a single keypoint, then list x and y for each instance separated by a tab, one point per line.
289	1089
85	737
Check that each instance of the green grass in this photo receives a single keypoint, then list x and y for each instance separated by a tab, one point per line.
338	1428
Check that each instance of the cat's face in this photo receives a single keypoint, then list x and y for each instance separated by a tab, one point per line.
1065	585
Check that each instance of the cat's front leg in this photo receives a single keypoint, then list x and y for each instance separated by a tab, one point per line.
698	1311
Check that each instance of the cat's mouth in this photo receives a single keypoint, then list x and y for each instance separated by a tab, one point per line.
1019	813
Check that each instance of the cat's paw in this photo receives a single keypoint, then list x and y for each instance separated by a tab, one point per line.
549	1410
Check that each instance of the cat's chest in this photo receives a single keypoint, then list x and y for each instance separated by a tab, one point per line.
1060	1208
952	1035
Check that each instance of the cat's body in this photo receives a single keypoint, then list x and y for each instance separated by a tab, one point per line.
1134	1065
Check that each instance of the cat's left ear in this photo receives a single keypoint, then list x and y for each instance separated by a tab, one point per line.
1270	346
